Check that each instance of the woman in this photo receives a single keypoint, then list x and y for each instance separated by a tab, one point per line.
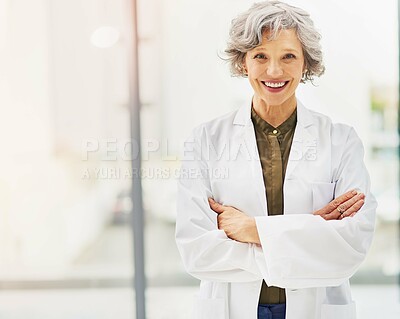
279	234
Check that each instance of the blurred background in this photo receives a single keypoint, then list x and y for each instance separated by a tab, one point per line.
66	247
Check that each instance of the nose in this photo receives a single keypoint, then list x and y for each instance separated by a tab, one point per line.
274	69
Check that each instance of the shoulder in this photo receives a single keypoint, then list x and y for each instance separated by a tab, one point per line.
341	137
339	132
217	127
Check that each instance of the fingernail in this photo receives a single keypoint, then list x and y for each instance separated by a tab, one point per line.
354	192
210	200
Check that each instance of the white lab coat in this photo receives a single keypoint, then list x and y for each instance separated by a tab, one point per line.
308	256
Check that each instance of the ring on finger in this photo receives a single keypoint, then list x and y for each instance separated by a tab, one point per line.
341	210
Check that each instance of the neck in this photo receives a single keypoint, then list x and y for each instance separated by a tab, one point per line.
274	114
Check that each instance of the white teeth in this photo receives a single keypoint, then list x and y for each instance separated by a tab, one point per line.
274	85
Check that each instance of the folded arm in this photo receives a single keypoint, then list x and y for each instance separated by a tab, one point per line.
304	250
206	251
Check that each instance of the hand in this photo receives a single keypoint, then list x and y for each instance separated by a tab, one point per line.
346	205
236	224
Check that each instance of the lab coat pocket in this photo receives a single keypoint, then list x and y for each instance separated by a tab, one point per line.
297	196
347	311
211	301
322	194
209	308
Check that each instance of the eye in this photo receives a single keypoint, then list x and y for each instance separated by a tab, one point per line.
289	56
260	56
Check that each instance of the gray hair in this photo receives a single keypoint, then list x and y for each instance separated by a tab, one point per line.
248	28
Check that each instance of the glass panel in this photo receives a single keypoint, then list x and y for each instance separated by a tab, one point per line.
63	204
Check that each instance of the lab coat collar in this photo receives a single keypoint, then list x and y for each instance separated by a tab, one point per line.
243	116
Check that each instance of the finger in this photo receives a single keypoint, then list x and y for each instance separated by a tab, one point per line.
222	225
346	205
353	209
353	200
341	199
219	222
332	215
216	207
331	208
333	205
340	204
352	215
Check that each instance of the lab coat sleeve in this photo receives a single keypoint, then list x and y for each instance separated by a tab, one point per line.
206	251
303	250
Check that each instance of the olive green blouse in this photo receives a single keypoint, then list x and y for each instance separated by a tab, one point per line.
273	145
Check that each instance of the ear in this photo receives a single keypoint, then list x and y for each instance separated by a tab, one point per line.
244	66
304	66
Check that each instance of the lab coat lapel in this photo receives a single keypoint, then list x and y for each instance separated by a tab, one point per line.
256	169
248	137
304	140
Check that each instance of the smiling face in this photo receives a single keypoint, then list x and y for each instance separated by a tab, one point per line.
275	68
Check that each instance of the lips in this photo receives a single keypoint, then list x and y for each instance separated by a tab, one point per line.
275	86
